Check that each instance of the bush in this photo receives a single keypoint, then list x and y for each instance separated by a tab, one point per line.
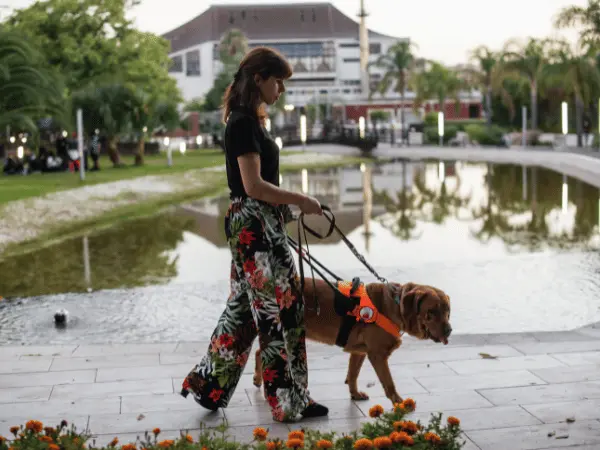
432	137
389	430
484	135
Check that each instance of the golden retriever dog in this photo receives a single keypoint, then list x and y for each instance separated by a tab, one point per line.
418	310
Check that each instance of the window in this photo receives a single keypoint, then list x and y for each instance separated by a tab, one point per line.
350	45
351	82
375	48
192	63
176	64
351	60
297	49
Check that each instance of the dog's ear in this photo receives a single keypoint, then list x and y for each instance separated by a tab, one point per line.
410	304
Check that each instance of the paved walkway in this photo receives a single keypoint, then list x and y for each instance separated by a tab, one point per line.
581	164
520	398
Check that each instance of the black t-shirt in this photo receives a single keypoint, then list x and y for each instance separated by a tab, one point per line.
244	134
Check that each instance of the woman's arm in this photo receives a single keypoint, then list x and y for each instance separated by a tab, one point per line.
259	189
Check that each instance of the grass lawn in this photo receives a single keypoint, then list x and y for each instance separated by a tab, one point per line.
17	187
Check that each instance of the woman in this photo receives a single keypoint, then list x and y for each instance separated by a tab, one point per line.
264	298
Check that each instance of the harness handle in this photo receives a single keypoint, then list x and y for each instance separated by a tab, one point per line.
302	229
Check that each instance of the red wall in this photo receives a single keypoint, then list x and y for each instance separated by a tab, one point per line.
356	111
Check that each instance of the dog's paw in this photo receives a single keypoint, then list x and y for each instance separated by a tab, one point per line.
359	396
257	380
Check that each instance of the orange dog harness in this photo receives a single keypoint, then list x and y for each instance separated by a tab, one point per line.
366	311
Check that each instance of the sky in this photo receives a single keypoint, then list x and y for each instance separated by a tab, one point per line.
443	30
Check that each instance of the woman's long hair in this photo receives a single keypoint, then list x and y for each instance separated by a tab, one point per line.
243	90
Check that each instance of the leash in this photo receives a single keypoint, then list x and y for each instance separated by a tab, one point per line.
311	261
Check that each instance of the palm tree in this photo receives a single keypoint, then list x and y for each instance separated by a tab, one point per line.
28	89
398	63
437	82
527	61
576	73
485	77
586	17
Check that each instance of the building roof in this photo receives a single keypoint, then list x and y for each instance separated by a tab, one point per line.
265	22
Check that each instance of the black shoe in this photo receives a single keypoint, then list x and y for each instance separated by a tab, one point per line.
315	409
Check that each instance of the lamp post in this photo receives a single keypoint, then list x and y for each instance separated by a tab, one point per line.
524	124
303	130
441	128
361	127
565	122
80	143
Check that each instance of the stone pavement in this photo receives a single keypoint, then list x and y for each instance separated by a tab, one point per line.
511	391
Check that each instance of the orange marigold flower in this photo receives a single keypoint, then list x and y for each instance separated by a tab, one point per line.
382	442
294	443
53	447
49	430
272	445
2	439
324	443
14	429
46	439
433	438
156	431
166	443
35	426
398	424
260	434
398	407
114	442
363	444
376	411
189	438
410	427
409	404
129	447
298	434
453	421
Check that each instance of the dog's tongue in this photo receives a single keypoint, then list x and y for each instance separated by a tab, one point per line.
445	341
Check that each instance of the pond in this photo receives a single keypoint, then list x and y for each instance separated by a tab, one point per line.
514	247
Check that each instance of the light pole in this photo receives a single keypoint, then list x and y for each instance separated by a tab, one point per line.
524	124
303	130
565	123
441	128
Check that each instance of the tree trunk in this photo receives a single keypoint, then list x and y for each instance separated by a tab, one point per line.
113	152
488	105
534	106
579	120
139	156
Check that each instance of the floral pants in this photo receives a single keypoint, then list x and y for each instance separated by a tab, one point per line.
264	300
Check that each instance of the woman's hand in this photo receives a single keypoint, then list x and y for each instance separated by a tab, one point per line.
310	205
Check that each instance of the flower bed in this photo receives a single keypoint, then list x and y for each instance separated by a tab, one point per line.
388	430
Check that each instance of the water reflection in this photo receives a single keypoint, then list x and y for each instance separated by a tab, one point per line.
132	254
483	232
398	214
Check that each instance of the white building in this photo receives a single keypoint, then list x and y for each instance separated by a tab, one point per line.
321	43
